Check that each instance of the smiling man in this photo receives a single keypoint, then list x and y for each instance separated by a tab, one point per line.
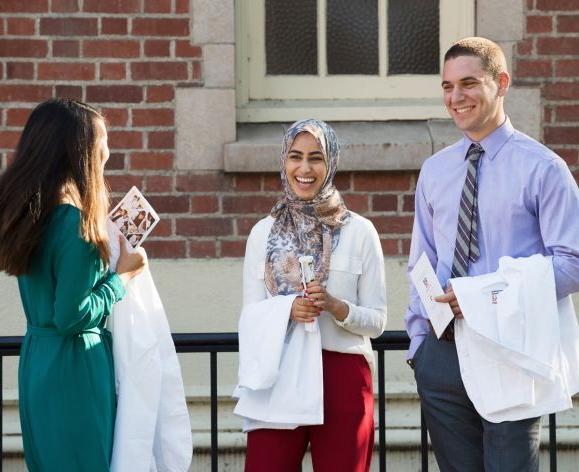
496	192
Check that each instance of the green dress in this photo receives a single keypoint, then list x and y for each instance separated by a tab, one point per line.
66	374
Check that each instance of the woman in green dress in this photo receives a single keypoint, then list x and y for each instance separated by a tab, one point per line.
53	236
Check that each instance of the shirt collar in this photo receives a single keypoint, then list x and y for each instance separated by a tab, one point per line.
494	142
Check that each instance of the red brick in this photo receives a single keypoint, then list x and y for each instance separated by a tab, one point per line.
68	26
163	249
161	140
123	182
65	48
389	247
182	6
342	181
202	183
154	117
157	6
114	71
248	204
1	28
202	248
568	23
116	116
157	48
248	182
381	181
272	183
204	204
204	226
567	68
163	229
356	202
160	93
20	26
160	26
384	203
169	203
405	246
557	5
408	203
159	183
525	46
530	4
23	48
539	24
66	71
63	6
196	73
114	26
547	115
112	6
20	70
9	139
183	48
19	6
245	224
570	156
17	116
559	45
111	48
116	161
68	91
561	91
561	134
568	113
24	93
151	160
114	93
159	70
232	248
392	224
533	68
125	139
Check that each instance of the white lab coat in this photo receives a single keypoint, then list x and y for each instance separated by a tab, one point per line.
152	427
518	348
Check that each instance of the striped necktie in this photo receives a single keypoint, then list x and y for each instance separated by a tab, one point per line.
466	249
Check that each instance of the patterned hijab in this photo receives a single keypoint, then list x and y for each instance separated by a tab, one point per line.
305	227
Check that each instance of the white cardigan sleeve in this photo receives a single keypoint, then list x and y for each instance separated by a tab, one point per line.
368	317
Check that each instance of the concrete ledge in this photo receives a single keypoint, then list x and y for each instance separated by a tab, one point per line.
366	146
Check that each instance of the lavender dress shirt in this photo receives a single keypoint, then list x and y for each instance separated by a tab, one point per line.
528	204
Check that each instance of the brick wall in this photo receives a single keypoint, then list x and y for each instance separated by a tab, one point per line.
127	57
548	57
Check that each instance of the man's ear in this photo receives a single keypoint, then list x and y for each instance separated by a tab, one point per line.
504	83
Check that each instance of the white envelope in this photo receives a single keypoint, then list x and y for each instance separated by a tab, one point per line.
428	287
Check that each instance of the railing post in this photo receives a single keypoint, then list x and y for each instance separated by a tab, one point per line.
381	411
423	442
213	375
553	442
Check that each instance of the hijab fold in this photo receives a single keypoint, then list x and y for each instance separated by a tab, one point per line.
305	227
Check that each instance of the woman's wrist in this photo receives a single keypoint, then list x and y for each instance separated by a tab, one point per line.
338	308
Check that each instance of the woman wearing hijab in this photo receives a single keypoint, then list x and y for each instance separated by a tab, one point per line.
283	324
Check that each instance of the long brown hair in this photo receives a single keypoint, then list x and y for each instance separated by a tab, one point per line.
57	153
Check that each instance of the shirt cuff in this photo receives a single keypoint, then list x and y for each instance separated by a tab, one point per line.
348	319
114	283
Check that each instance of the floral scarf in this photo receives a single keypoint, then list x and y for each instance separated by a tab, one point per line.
305	227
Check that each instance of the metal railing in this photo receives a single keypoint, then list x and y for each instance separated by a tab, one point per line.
214	343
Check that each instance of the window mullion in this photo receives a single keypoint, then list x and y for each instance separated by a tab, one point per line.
322	54
382	39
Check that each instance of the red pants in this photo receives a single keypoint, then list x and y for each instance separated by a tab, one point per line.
345	441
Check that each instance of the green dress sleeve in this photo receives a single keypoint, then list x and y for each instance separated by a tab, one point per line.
83	295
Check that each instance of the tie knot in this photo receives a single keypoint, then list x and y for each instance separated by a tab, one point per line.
474	151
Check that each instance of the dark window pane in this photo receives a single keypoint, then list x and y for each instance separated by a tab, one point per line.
291	42
352	37
413	37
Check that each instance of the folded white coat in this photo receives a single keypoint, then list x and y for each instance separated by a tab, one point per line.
152	427
518	347
278	362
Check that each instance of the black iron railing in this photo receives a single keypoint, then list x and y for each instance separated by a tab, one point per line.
214	343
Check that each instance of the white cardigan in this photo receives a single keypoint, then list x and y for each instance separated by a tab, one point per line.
356	276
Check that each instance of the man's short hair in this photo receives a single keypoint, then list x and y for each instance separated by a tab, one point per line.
491	55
